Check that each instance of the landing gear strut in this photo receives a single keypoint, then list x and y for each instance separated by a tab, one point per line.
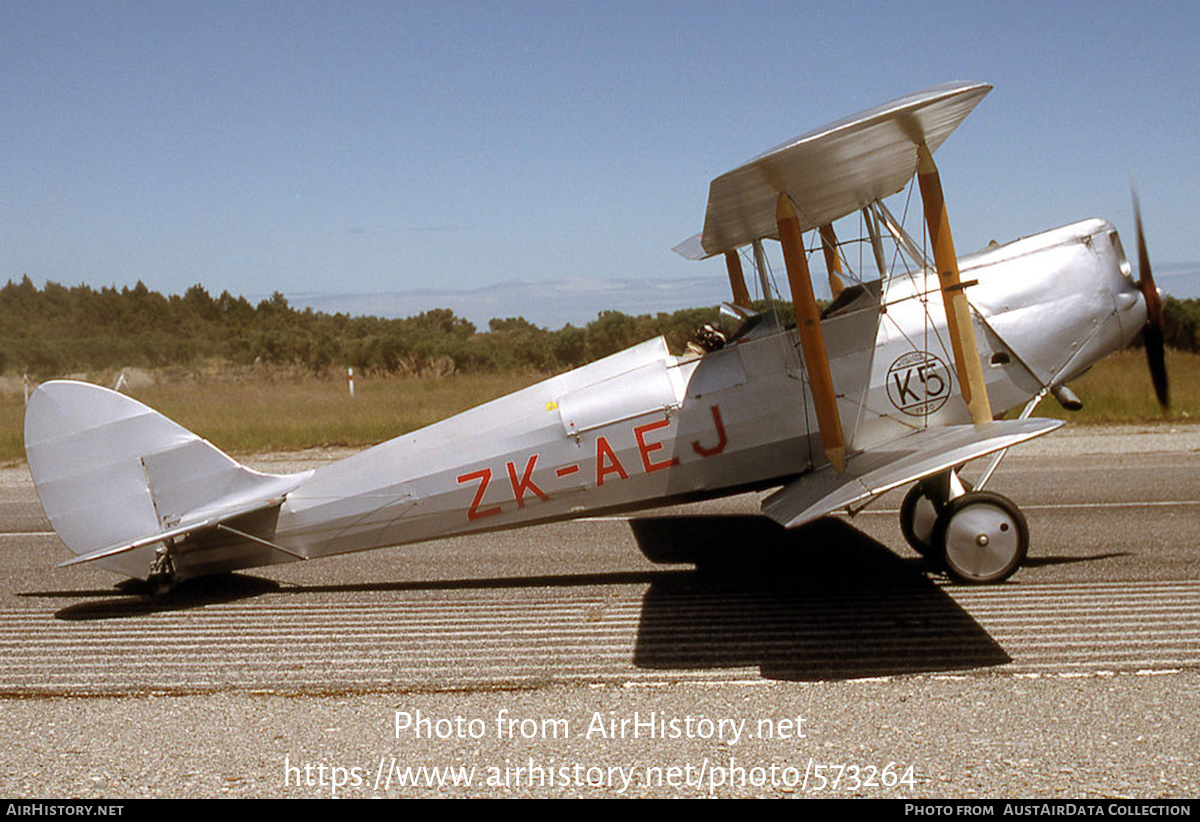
979	537
162	572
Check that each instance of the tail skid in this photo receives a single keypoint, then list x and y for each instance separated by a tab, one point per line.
117	480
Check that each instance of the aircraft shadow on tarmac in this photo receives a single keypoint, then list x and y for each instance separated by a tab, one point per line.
132	598
823	601
1046	562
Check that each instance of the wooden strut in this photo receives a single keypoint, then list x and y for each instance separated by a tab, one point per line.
737	281
812	340
958	310
833	262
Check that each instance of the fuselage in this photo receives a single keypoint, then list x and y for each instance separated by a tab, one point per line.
642	427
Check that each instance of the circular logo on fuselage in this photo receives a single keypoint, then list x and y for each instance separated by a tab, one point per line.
918	383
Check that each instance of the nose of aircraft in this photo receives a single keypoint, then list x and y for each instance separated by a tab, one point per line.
1127	297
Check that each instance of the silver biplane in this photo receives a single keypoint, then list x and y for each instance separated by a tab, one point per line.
902	380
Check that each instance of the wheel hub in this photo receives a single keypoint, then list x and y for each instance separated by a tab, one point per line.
980	540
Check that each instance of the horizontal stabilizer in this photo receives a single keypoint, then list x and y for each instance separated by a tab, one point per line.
892	464
180	532
832	171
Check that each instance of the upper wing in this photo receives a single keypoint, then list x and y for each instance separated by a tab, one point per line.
892	464
832	171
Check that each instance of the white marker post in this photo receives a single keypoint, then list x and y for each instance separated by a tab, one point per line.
350	373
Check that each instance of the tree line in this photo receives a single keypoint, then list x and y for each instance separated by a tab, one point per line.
55	330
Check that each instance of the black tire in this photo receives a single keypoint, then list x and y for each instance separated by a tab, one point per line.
161	584
916	512
981	537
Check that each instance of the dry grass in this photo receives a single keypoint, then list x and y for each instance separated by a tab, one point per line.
282	414
1118	390
12	426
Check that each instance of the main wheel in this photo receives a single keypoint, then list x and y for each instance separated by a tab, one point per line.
982	537
917	517
918	513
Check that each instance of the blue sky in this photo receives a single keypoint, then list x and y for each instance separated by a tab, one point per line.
351	148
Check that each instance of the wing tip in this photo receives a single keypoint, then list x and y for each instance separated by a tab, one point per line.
692	248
